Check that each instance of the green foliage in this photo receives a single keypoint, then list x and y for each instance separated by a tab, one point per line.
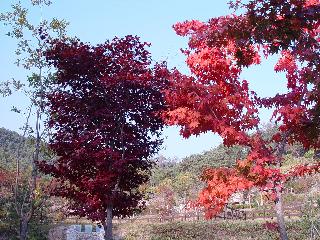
194	165
32	39
39	225
310	217
220	156
9	219
309	153
166	168
12	146
173	182
183	184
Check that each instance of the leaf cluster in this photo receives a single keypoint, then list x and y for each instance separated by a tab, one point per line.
105	112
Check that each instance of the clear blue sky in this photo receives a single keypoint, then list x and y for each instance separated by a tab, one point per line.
97	20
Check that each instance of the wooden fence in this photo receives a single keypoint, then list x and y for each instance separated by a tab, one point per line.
229	213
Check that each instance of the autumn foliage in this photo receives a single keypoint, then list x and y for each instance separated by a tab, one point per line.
104	113
215	98
221	184
6	182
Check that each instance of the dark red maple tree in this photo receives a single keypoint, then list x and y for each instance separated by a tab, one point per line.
215	98
104	115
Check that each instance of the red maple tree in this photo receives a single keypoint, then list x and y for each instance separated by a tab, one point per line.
104	115
215	98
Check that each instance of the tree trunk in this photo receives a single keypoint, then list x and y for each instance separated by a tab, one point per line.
261	199
108	224
280	216
23	228
26	216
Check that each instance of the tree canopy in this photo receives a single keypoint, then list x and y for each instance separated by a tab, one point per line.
105	115
215	98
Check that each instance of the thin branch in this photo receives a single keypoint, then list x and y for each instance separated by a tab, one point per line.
16	189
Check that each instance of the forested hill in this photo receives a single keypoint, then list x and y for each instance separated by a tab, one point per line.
219	156
13	145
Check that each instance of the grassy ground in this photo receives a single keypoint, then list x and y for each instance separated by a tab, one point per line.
202	230
222	230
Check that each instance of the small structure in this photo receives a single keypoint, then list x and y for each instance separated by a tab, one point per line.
84	232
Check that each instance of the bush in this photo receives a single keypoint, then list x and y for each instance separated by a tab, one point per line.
39	224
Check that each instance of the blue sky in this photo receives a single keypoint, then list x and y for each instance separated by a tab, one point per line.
97	20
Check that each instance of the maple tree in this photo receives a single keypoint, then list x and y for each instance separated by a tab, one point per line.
215	98
104	113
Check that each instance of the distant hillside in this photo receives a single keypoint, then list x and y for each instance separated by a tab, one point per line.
219	156
13	145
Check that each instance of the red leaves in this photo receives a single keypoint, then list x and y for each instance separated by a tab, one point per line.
105	106
302	170
221	184
271	226
311	3
7	179
258	170
200	106
214	98
187	27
